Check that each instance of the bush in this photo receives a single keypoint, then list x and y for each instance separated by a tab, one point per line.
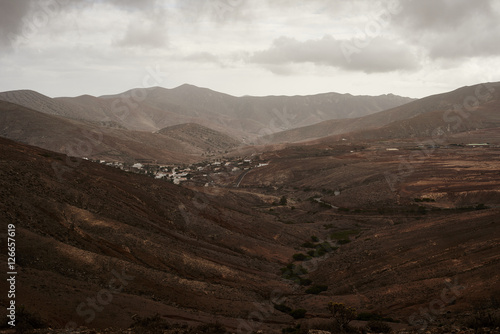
282	308
298	313
378	327
308	244
314	238
283	200
300	257
344	241
342	314
316	289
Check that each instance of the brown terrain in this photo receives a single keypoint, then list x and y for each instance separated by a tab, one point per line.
244	118
84	139
399	225
467	108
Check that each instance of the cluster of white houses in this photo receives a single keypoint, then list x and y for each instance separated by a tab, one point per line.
201	173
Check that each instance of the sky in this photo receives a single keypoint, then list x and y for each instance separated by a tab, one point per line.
412	48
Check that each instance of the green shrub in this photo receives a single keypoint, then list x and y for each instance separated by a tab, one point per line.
316	289
298	313
314	238
344	241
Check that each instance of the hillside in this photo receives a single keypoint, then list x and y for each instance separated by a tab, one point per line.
244	118
189	255
195	255
82	139
415	119
201	137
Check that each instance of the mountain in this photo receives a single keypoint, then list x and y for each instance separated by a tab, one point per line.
173	251
244	118
100	248
201	137
476	108
84	139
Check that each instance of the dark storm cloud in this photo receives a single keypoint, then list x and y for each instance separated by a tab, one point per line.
377	55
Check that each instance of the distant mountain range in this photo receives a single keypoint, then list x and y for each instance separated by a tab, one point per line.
465	109
188	123
245	118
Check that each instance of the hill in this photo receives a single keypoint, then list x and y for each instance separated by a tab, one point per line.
83	139
467	108
201	137
391	243
244	118
180	253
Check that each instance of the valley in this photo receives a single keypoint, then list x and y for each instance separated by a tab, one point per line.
192	226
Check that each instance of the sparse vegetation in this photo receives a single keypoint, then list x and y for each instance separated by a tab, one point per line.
316	289
298	313
366	316
282	308
308	244
283	200
300	257
377	326
343	237
342	314
153	324
292	330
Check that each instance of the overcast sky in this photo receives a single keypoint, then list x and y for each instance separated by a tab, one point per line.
249	47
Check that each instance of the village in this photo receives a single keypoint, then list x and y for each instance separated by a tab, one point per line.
206	173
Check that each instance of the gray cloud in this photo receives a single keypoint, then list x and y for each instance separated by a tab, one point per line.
377	55
451	29
11	17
